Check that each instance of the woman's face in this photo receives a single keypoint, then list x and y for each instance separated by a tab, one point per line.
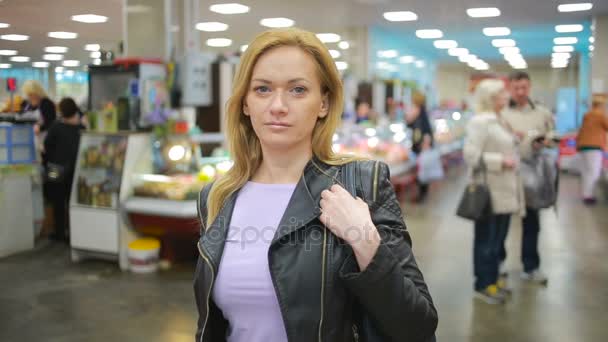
500	101
284	99
33	99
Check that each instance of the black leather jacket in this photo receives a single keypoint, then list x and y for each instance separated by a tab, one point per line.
318	284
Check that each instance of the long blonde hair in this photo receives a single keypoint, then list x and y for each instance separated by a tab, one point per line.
244	145
32	87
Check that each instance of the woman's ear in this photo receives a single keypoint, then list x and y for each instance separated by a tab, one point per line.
324	106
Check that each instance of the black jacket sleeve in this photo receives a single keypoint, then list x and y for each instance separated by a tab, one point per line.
392	289
48	113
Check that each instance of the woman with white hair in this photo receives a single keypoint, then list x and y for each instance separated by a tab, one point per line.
38	101
490	151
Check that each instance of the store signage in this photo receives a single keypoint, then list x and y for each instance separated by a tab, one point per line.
11	84
196	80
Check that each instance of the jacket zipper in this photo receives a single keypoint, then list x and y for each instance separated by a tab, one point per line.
375	190
200	250
323	266
355	333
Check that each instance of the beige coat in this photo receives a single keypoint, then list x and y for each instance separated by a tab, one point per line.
533	121
489	141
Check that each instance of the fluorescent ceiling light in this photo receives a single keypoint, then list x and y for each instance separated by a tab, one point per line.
90	18
591	47
513	56
8	52
456	52
92	47
40	64
14	37
565	40
63	35
482	67
559	66
560	55
406	59
563	48
244	48
585	6
20	59
522	66
509	50
59	69
52	57
95	54
71	63
56	49
211	27
4	66
328	37
591	40
445	44
388	53
469	58
277	22
400	16
420	64
503	42
568	28
335	53
341	65
219	42
5	25
97	61
344	45
485	12
496	31
231	8
429	34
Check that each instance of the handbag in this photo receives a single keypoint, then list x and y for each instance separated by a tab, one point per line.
476	201
54	173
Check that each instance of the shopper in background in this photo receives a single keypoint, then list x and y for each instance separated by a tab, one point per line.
286	253
60	152
591	142
490	151
534	125
364	112
422	134
39	105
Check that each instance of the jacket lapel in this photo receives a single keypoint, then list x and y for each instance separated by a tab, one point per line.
214	238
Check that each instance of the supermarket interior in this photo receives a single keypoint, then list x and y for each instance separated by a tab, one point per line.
132	131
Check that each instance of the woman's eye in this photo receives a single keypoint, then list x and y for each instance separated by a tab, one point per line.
261	89
299	90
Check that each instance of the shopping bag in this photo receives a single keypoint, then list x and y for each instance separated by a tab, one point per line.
540	178
430	167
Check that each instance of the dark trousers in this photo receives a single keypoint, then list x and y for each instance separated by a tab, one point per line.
423	190
58	195
529	243
490	233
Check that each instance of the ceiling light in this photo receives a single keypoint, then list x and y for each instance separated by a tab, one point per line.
585	6
563	48
71	63
52	57
40	64
56	49
335	53
407	59
90	18
503	42
565	40
522	66
20	59
211	27
328	37
344	45
92	47
485	12
513	56
429	34
458	52
59	69
482	67
277	22
508	50
568	28
231	8
560	55
8	52
4	25
219	42
95	54
388	53
420	64
14	37
63	35
559	66
97	61
400	16
341	65
445	44
244	48
468	58
4	66
70	73
496	31
591	47
591	40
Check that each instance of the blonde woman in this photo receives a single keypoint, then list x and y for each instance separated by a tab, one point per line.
38	102
286	253
490	151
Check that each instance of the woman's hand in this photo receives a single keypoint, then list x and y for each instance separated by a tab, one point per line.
350	219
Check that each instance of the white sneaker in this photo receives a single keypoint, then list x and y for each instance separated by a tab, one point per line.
502	270
535	276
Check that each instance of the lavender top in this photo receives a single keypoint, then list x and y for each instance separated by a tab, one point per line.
243	288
